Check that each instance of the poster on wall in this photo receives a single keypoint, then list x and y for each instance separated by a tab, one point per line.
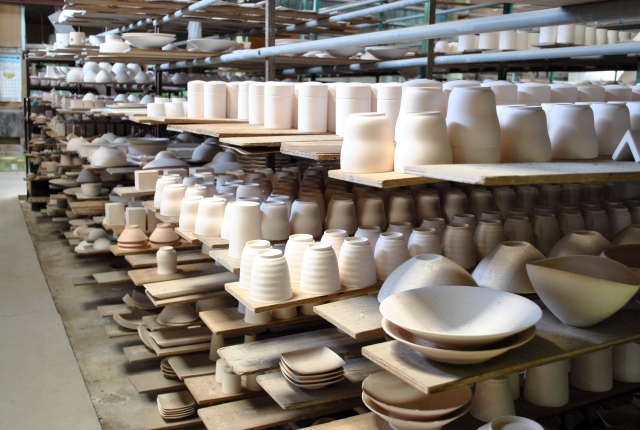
10	78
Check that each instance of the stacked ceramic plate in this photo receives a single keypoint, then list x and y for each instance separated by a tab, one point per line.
177	315
459	325
149	40
174	406
404	407
167	370
312	368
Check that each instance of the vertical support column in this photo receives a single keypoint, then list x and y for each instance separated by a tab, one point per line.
316	8
428	45
270	39
507	9
638	73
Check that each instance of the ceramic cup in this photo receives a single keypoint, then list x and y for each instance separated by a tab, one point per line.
593	372
319	273
246	261
492	399
294	252
548	385
357	263
391	251
270	282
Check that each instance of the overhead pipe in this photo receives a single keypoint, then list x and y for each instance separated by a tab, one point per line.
349	5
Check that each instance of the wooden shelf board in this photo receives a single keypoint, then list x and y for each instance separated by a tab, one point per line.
122	170
139	354
206	391
359	317
186	120
132	192
155	383
185	336
114	330
367	421
288	396
180	350
152	249
201	284
530	173
90	208
553	341
299	297
234	130
212	241
262	412
84	280
189	298
275	141
171	220
139	261
263	355
222	256
149	205
231	322
109	310
190	366
188	236
381	180
113	277
154	421
316	150
185	271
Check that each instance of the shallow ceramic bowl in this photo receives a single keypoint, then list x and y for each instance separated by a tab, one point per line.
147	145
107	156
346	52
458	317
149	40
406	402
387	52
412	425
629	255
91	190
210	45
453	356
114	48
583	290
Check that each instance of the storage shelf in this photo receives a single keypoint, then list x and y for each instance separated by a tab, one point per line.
234	130
276	141
313	150
231	322
381	180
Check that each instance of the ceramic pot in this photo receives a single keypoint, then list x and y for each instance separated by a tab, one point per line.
468	219
488	41
245	226
495	215
580	242
519	228
357	263
172	196
249	190
423	99
195	99
492	399
546	232
189	213
551	196
421	138
319	273
274	220
403	227
597	220
270	282
391	251
312	107
570	221
480	201
278	113
401	208
504	198
256	103
504	268
210	217
331	106
572	132
457	245
548	385
617	93
424	240
232	93
473	126
294	252
341	214
351	98
387	101
619	219
164	234
335	238
533	93
214	100
243	100
523	135
625	362
370	210
305	218
249	253
563	93
593	372
611	121
368	144
167	259
256	318
438	223
370	232
505	92
132	237
455	202
231	383
628	236
488	235
572	194
427	205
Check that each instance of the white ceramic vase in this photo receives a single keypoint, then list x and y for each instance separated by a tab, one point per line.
351	98
424	240
172	196
189	213
421	138
274	220
357	263
319	273
391	251
593	371
572	132
368	144
612	121
245	226
305	218
210	217
270	282
523	135
548	385
492	399
294	252
370	232
335	238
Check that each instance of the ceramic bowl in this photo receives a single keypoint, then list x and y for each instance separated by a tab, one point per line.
132	234
177	315
346	52
210	45
387	52
629	255
453	356
164	234
511	422
149	40
113	48
147	145
580	242
583	290
408	403
108	156
460	317
164	160
91	189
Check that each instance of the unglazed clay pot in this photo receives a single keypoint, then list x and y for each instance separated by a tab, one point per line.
424	240
572	132
546	232
473	126
492	399
245	226
132	237
210	217
278	105
425	270
480	201
519	228
164	234
370	210
455	202
274	220
548	385
167	259
421	138
570	221
593	372
341	214
625	362
423	99
368	144
582	290
319	273
249	253
630	235
597	220
469	219
270	282
351	99
489	234
619	219
438	223
357	263
391	251
427	205
457	244
335	238
403	227
294	252
612	121
506	93
401	208
172	196
533	93
580	242
504	198
370	232
305	218
387	99
504	268
189	213
523	135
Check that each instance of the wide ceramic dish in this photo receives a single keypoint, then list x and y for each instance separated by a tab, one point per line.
210	45
387	52
147	145
452	356
583	290
149	40
459	317
345	52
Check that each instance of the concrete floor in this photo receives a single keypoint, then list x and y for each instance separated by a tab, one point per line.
54	379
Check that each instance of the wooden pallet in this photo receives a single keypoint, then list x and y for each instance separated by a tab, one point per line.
314	150
87	208
181	287
152	249
235	130
221	256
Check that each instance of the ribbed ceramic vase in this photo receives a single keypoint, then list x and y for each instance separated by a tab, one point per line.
341	214
245	226
424	240
391	251
523	135
612	121
368	144
421	138
370	232
335	238
455	202
189	213
294	252
468	219
210	217
480	201
597	220
427	205
438	223
319	273
458	245
305	218
249	253
488	235
570	221
270	281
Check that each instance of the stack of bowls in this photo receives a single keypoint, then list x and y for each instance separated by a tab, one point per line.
133	237
174	406
459	324
312	368
404	407
164	235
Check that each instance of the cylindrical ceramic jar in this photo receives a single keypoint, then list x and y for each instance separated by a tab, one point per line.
402	209
480	201
423	99
305	218
368	144
189	213
351	98
612	121
370	210
274	220
427	205
312	107
232	99
424	240
270	282
278	105
619	219
256	103
387	101
249	253
335	238
597	220
195	99
458	245
210	217
504	198
519	228
548	385
625	362
160	184
294	252
391	251
593	371
341	214
570	221
492	399
319	273
245	226
421	138
172	196
243	100
357	263
215	100
546	232
167	259
455	202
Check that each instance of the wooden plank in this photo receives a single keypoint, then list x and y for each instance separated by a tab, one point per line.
90	208
234	130
298	298
368	421
139	354
154	421
187	336
359	317
207	391
109	310
185	271
190	366
212	241
113	277
189	298
173	221
263	412
318	151
276	141
222	256
531	173
288	396
189	236
175	350
152	249
132	192
186	120
122	170
381	180
149	205
84	280
114	330
263	355
139	261
231	322
181	287
553	341
155	383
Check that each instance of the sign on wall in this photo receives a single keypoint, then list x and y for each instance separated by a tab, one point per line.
10	78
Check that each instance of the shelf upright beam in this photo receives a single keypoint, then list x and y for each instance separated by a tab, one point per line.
270	39
507	9
430	15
